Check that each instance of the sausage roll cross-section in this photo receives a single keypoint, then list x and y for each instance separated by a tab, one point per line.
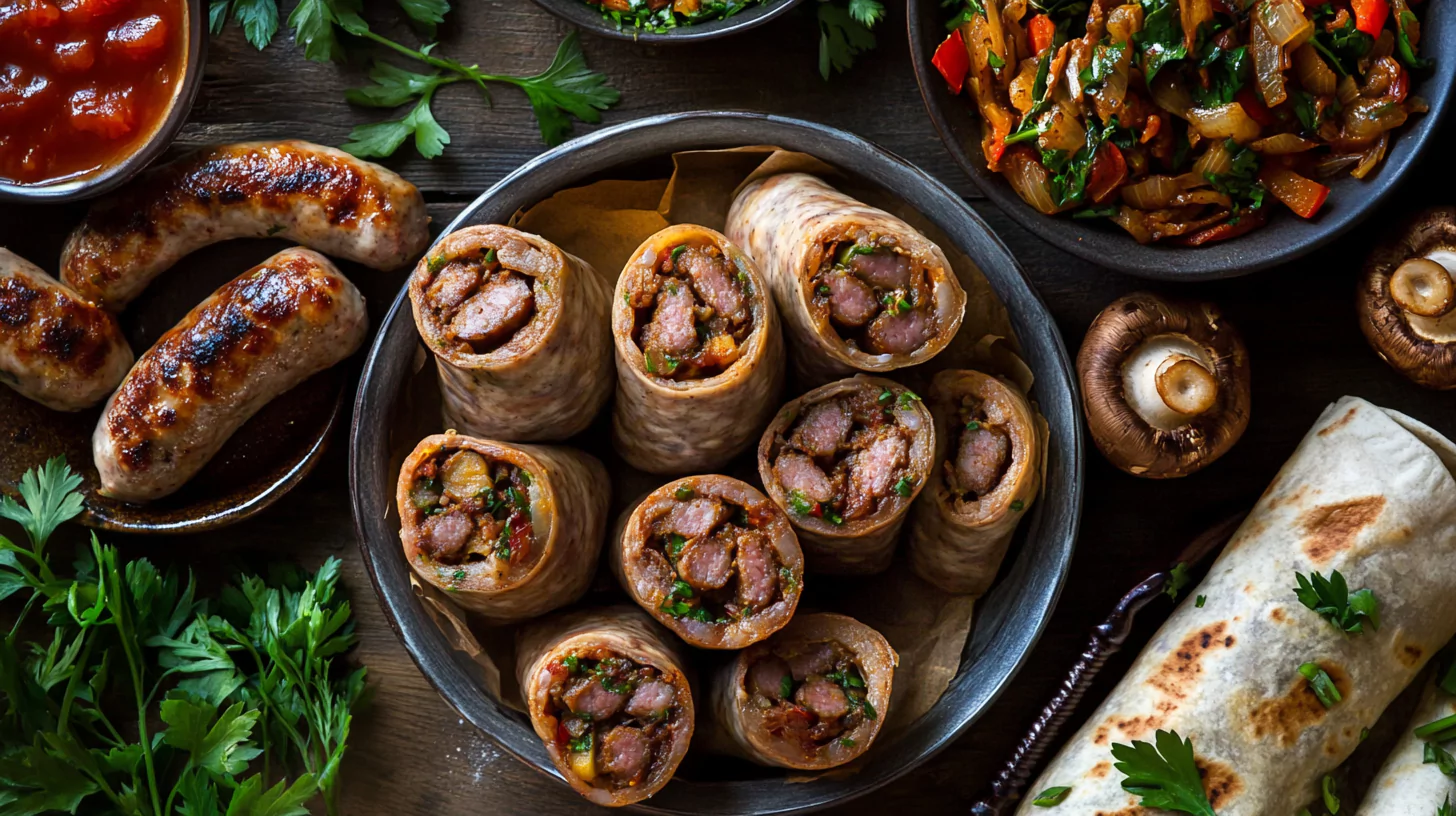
519	330
858	288
845	461
260	335
510	531
700	356
811	697
607	695
989	455
712	559
319	196
55	348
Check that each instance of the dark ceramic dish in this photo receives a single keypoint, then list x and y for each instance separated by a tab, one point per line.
110	178
1284	238
1008	621
589	18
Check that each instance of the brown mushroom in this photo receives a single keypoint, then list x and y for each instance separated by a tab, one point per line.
1407	299
1165	385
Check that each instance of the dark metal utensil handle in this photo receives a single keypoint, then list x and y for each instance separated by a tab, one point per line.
1107	640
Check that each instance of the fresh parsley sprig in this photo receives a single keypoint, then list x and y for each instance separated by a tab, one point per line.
845	32
1164	774
1332	599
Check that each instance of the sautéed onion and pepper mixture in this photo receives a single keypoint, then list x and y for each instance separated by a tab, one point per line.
477	512
614	717
809	694
659	16
1183	120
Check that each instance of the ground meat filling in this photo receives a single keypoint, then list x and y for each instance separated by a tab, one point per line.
875	296
810	694
722	563
482	300
692	312
847	457
475	511
613	718
981	455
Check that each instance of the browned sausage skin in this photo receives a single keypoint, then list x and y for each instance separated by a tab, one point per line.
261	334
713	560
608	697
845	461
510	531
318	196
56	348
811	697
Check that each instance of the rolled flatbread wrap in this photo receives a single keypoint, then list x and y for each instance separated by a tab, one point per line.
858	288
510	531
989	470
713	560
1369	492
607	695
700	355
519	332
1407	785
845	461
811	697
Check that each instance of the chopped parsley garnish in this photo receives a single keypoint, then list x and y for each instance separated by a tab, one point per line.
1332	599
670	363
786	686
488	257
1200	601
503	544
683	493
1327	790
677	252
1441	758
995	61
1241	182
788	578
906	397
800	505
824	290
436	263
1320	683
833	517
1178	578
525	478
973	425
458	575
1017	505
1228	71
1165	775
905	486
886	395
1051	797
675	544
518	498
896	303
671	288
581	744
869	710
847	254
1161	39
846	742
846	678
647	361
572	663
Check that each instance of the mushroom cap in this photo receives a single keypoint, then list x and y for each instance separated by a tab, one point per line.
1164	445
1423	348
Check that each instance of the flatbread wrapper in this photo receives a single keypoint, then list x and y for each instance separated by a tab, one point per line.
1369	492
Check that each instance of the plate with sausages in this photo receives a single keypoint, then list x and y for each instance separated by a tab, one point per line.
717	463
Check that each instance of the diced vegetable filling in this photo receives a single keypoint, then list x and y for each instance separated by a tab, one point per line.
692	312
1181	119
474	510
847	457
480	302
875	296
978	460
613	718
721	563
660	16
810	694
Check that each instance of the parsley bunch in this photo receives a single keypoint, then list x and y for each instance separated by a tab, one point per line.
567	89
845	32
212	688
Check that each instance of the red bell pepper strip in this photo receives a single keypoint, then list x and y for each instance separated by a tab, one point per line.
1232	228
1043	33
1109	170
1370	15
1255	107
1298	193
953	61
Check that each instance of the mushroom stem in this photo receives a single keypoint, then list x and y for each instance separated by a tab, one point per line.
1423	287
1186	386
1169	380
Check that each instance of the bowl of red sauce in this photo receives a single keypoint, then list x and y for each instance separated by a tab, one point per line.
91	91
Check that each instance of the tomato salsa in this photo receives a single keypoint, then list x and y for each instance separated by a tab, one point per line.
83	83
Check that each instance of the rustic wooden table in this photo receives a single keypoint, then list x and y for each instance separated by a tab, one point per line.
410	753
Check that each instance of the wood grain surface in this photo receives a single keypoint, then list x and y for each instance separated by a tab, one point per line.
410	753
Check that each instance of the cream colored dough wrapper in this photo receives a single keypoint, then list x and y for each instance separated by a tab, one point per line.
1406	784
1369	492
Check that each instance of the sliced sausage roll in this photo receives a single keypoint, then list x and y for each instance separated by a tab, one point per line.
845	461
700	356
858	288
519	330
260	335
319	196
990	470
712	559
811	697
607	695
55	348
510	531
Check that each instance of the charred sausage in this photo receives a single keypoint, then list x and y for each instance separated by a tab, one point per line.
261	334
55	348
318	196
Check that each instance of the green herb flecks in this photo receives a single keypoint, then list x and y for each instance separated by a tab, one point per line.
1332	599
674	547
683	492
786	687
905	486
1164	774
1178	578
1327	791
1051	797
1160	41
1436	755
1200	601
799	504
906	397
581	744
1321	684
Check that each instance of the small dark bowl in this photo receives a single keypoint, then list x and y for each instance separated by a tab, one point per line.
109	178
588	18
1008	621
1284	238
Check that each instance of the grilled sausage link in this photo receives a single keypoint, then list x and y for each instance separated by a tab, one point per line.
55	348
318	196
261	334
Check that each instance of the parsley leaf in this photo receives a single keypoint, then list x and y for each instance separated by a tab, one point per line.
1051	797
381	139
565	87
427	14
1440	757
1332	599
1165	776
1161	39
1405	22
1228	71
844	33
1327	790
1178	578
1241	182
